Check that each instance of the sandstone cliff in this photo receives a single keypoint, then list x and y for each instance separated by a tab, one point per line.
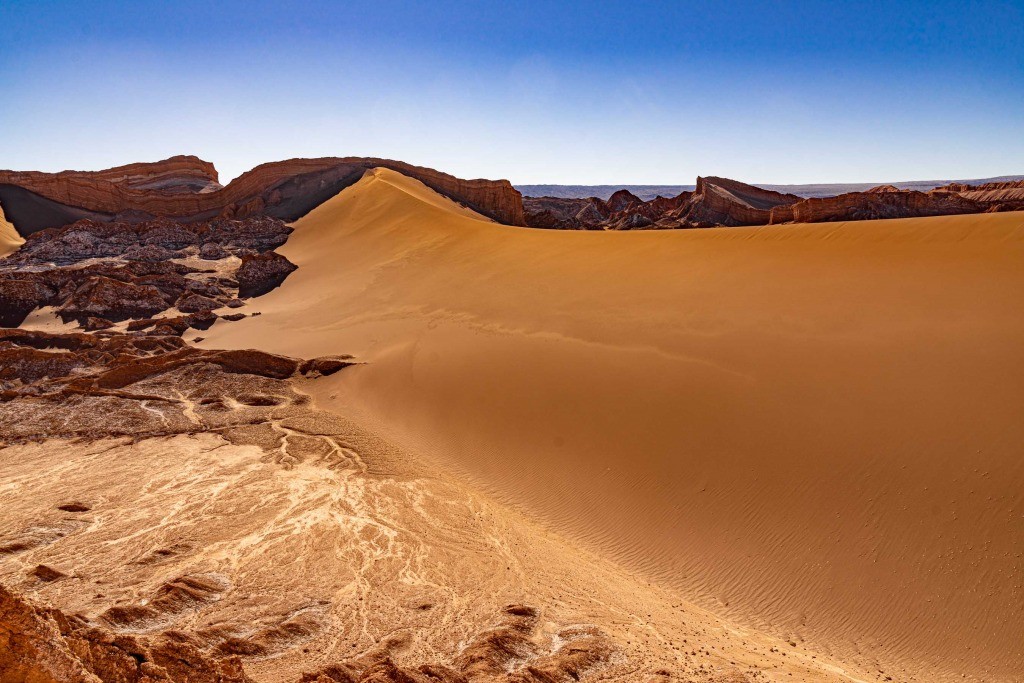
1012	191
186	189
720	201
716	201
858	206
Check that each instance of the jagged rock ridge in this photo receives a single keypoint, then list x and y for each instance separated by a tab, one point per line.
186	189
724	202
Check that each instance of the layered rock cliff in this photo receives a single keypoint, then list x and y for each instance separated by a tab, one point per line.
1011	191
724	202
720	201
858	206
186	189
716	201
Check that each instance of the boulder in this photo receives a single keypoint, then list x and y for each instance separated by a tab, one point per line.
260	273
194	303
211	251
103	297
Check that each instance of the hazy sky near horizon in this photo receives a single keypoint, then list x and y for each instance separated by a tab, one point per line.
537	92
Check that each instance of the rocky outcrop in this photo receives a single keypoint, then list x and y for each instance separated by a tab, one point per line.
44	645
41	645
260	273
1010	191
114	300
724	202
130	271
19	296
716	201
622	200
720	201
105	384
858	206
177	175
186	189
506	653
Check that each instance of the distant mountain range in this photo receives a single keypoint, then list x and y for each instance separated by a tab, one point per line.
648	192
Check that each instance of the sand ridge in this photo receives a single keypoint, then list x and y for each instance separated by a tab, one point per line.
810	428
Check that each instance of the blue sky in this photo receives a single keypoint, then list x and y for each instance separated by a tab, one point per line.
537	92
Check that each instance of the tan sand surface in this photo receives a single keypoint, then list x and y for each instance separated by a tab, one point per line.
811	429
9	237
335	545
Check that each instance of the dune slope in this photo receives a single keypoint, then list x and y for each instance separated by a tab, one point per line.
812	429
9	237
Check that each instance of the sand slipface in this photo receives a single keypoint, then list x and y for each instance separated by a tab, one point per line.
9	237
811	429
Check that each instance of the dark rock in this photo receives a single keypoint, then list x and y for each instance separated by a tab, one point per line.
211	251
326	365
45	573
874	204
261	273
92	324
20	297
194	303
103	297
149	252
30	365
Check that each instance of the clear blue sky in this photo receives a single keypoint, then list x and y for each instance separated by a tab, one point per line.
563	92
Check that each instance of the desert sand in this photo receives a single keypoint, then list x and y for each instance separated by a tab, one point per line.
9	237
811	430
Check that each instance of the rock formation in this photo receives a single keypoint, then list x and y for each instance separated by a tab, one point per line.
724	202
44	645
1010	191
260	273
186	189
716	201
138	270
877	203
40	645
720	201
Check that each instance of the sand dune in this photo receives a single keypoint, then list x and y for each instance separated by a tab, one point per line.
812	429
9	237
